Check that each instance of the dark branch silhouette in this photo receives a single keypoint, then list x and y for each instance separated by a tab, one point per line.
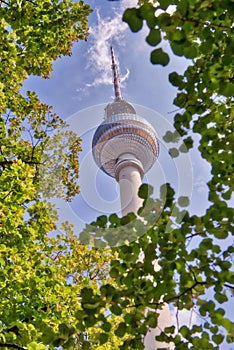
12	345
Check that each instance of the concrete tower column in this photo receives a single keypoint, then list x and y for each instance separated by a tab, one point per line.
129	173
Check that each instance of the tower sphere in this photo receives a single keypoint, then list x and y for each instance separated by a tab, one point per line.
123	136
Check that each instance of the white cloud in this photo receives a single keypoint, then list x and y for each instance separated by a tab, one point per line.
105	32
102	35
108	31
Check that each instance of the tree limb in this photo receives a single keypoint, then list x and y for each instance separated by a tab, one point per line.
228	285
32	2
4	2
207	24
175	297
5	162
12	345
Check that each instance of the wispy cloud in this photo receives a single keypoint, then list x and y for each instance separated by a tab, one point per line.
108	31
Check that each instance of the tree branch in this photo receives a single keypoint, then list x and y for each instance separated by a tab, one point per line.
5	162
32	2
207	24
12	345
4	2
7	195
184	292
228	285
175	297
194	235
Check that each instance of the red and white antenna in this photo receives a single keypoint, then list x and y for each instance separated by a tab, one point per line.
118	95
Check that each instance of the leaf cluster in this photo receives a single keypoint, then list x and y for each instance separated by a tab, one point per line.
172	262
33	34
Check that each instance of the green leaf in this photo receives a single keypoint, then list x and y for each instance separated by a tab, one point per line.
227	90
121	330
32	346
178	35
102	221
147	10
151	319
174	152
114	272
164	20
91	306
190	52
127	219
169	330
183	148
107	291
177	48
116	310
181	99
143	191
183	201
86	294
218	339
221	298
103	337
65	330
131	16
90	321
184	331
154	37
171	136
106	326
158	56
164	4
159	290
114	219
182	7
176	79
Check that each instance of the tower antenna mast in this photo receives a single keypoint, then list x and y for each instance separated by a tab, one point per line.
118	96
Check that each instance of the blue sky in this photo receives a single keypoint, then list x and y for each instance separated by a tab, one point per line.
83	82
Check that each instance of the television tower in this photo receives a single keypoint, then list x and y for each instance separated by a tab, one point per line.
125	146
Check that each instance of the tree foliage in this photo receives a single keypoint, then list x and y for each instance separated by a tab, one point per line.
41	274
33	34
56	292
193	273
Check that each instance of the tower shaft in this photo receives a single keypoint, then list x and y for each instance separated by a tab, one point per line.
129	184
129	173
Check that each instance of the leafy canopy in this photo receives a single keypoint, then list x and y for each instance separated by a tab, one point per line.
33	34
55	292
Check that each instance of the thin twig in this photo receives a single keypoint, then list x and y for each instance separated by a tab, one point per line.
177	316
